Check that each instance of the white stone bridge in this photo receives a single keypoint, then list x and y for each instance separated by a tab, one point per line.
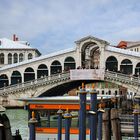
48	74
59	84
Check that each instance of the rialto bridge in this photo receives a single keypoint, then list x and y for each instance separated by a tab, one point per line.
50	73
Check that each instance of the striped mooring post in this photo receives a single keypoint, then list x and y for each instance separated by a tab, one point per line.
82	113
67	117
32	122
59	112
93	113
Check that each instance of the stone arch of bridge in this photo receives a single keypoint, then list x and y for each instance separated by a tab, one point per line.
42	70
64	87
90	55
29	74
16	77
69	63
126	66
112	63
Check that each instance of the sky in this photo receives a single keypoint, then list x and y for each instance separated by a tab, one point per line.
52	25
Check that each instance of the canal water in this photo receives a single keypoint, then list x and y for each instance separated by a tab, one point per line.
18	120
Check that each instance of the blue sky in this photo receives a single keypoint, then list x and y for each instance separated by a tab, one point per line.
51	25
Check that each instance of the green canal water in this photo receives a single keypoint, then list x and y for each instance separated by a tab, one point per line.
18	120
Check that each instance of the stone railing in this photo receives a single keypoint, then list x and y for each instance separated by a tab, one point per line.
108	75
34	83
123	78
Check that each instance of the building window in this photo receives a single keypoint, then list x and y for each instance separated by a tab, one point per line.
137	49
30	56
1	58
20	57
9	58
15	58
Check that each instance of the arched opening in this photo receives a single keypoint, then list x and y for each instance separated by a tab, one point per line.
30	56
42	71
56	67
2	58
90	55
4	80
15	58
112	64
16	78
29	74
20	57
9	58
126	66
69	63
137	69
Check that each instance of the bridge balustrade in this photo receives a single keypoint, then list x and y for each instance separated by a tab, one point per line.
44	80
109	76
122	78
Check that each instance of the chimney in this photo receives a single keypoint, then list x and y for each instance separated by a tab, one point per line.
14	37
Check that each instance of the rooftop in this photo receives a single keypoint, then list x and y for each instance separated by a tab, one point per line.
10	44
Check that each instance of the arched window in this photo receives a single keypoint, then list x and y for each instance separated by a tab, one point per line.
69	63
137	69
20	57
16	77
1	58
56	67
126	66
29	74
4	80
9	58
30	56
15	58
42	71
112	64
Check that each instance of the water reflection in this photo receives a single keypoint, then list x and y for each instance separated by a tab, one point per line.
18	120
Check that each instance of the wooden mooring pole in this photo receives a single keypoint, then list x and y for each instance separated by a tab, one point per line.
115	124
106	126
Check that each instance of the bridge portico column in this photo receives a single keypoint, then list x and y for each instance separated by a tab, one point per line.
134	66
102	57
119	64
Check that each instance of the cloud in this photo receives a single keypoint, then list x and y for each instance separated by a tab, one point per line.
52	25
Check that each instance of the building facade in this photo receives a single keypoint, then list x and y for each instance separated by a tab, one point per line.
15	51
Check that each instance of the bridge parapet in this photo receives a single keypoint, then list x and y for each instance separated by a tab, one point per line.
118	78
123	78
34	83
